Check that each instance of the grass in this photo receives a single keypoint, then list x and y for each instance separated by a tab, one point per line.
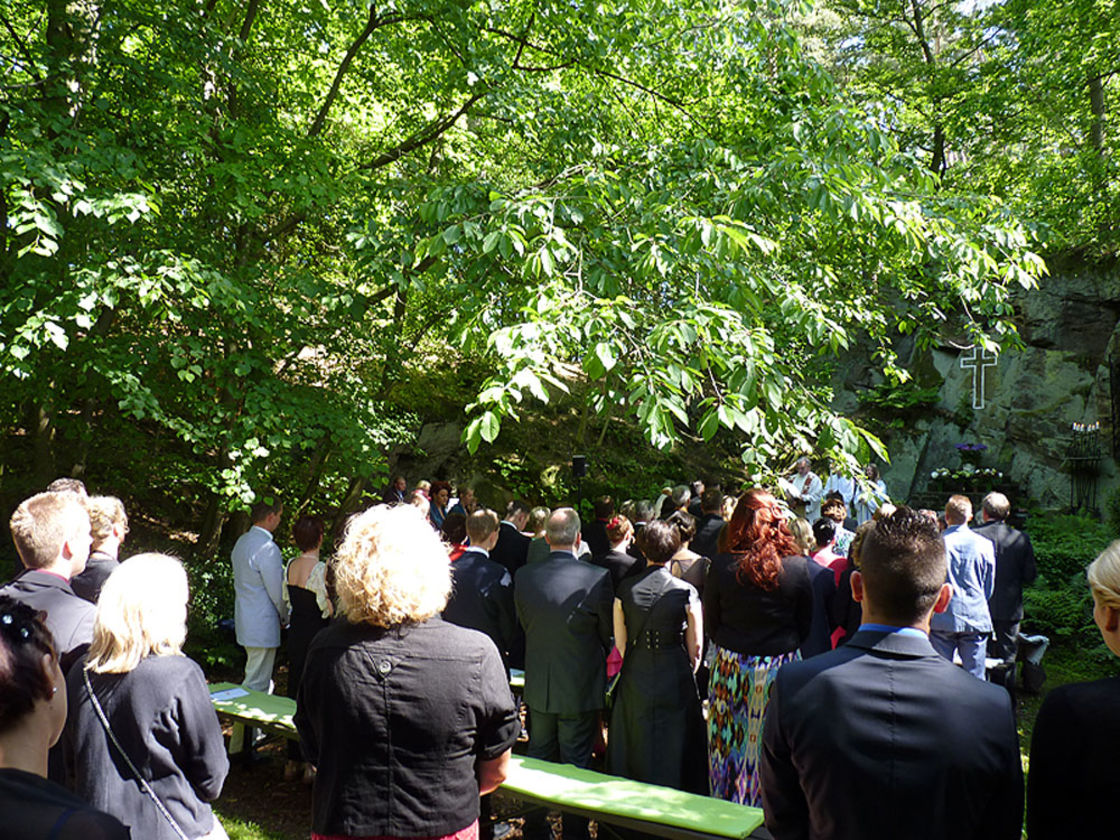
239	829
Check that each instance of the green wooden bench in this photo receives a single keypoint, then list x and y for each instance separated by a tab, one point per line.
661	811
269	712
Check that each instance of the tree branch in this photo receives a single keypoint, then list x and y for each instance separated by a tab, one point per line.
372	25
250	16
422	138
523	42
23	49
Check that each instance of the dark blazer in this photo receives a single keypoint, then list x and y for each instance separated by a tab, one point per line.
565	606
595	535
619	564
823	582
482	599
883	738
512	550
1074	773
707	535
69	618
746	619
87	585
845	611
1015	568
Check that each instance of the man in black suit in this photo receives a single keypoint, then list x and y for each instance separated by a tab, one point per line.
710	524
51	532
512	548
565	606
482	590
595	531
1015	568
883	738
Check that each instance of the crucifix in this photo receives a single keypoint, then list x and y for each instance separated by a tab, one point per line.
977	360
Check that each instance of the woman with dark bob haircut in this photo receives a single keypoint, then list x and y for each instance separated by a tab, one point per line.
32	715
758	607
657	726
408	718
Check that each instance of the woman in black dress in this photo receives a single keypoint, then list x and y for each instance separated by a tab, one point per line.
657	728
310	613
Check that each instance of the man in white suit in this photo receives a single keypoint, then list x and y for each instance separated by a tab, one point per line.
258	608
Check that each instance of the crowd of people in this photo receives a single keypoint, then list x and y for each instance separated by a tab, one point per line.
792	650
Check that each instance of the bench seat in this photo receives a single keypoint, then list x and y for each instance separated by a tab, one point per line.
652	809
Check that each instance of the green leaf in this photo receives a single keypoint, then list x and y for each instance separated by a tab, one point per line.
605	355
489	426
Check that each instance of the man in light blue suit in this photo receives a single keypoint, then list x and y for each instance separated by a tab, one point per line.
966	625
259	610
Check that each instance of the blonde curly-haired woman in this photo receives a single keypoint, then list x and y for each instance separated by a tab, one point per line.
408	718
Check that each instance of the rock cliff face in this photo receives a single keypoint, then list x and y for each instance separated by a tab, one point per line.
1031	397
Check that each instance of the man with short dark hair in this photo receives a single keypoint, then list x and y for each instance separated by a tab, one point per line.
258	605
482	590
565	606
710	523
512	548
1015	568
965	625
833	508
917	748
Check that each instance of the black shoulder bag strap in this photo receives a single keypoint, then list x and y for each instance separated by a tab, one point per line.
143	782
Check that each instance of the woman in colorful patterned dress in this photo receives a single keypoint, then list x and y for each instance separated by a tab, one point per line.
758	605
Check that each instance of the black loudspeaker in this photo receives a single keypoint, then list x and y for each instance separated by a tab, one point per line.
579	466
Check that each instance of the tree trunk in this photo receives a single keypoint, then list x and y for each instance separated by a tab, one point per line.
353	497
210	535
318	463
937	160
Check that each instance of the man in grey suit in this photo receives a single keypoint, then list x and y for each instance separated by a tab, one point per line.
565	606
883	738
258	607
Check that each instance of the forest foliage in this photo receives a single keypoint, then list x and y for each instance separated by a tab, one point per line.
248	242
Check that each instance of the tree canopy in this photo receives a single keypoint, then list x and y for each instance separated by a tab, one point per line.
248	228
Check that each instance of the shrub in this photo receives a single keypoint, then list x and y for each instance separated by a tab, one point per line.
1060	612
1059	605
1065	544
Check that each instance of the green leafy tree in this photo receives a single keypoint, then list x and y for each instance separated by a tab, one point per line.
250	227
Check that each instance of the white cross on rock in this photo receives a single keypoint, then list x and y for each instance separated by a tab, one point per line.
977	360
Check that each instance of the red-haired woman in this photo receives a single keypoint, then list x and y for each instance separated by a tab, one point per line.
758	605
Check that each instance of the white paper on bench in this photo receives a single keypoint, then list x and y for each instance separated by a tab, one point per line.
229	694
